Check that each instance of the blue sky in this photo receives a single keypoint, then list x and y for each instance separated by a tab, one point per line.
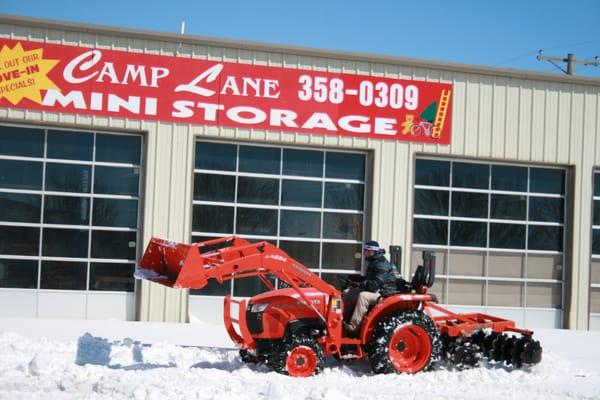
492	33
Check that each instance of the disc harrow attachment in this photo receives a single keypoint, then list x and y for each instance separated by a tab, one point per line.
466	352
468	338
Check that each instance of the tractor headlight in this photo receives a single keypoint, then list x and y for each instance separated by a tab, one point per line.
258	307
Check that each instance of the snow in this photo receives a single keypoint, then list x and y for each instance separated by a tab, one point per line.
151	275
67	359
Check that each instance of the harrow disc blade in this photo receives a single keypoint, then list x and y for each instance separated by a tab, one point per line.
467	355
497	347
507	349
532	352
517	351
488	344
478	338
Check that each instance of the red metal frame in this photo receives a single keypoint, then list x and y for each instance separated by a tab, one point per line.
242	340
454	324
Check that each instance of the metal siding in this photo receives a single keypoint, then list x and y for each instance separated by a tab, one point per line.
537	134
511	133
576	128
376	211
498	118
502	118
164	210
178	200
596	131
582	232
189	180
402	235
524	121
551	133
484	117
581	213
458	114
387	201
160	186
471	131
275	60
564	129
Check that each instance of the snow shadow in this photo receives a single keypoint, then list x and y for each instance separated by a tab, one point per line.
226	366
93	350
127	355
353	367
225	361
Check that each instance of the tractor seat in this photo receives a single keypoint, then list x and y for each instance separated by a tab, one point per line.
402	287
421	277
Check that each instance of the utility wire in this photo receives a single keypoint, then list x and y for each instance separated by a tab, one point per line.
572	45
530	53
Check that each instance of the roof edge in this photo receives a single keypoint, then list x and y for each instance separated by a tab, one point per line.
297	50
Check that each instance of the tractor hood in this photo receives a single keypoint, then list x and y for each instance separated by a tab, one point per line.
290	296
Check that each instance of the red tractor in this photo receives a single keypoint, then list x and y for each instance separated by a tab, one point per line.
294	328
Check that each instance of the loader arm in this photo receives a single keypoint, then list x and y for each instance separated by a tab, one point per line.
191	266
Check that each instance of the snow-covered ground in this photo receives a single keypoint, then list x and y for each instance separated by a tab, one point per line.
57	359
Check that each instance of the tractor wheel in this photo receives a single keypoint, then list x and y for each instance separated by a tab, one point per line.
299	356
247	357
404	343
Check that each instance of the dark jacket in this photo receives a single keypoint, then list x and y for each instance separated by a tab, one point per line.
380	274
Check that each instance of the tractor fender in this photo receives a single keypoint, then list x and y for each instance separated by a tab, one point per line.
274	322
390	305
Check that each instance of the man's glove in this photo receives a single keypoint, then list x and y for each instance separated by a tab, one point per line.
348	283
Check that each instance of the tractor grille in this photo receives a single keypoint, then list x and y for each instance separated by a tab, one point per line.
254	321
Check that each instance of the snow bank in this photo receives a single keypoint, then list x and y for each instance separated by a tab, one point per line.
93	366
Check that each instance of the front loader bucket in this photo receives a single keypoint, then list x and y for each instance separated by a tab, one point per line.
172	264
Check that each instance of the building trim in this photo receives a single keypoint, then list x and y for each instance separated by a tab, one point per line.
297	50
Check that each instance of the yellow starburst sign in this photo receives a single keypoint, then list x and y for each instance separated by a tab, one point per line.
23	74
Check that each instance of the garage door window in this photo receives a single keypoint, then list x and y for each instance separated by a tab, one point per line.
69	204
498	230
308	202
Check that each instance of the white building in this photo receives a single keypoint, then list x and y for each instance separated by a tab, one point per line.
111	136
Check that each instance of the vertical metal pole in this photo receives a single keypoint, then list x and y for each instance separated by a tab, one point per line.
570	59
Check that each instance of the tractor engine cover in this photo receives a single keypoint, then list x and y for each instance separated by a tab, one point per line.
268	314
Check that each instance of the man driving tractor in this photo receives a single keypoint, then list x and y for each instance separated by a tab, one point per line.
366	291
292	330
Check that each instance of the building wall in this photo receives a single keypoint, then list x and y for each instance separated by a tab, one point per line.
530	121
497	115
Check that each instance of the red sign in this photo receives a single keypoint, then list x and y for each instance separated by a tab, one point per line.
78	80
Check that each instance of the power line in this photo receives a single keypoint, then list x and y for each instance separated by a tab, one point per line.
573	44
530	53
